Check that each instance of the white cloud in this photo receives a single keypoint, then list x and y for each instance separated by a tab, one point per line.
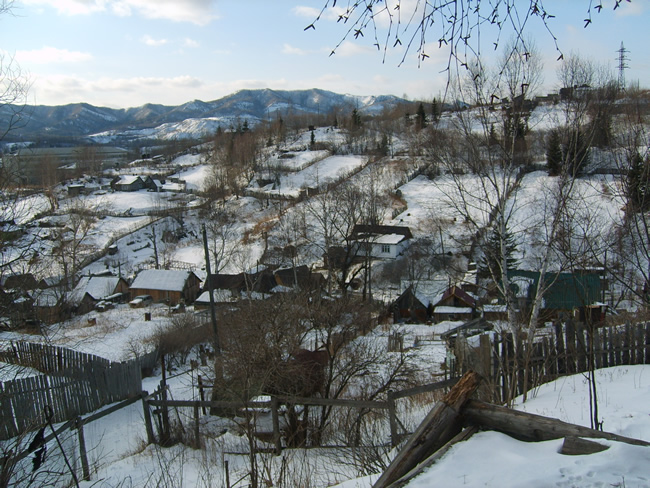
187	42
349	48
332	13
200	12
48	54
150	41
122	92
289	49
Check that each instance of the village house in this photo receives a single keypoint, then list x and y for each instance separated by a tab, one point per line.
168	286
565	294
454	304
132	183
93	289
380	241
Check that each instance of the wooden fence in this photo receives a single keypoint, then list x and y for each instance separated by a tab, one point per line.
74	383
514	365
274	404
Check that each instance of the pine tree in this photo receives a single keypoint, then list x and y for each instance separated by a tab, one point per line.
637	184
312	141
356	119
383	146
554	153
491	261
435	111
420	118
576	153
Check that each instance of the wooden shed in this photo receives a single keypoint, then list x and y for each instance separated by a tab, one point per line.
167	286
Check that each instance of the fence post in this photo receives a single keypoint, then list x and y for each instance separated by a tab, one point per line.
392	418
147	419
82	449
197	438
276	426
201	394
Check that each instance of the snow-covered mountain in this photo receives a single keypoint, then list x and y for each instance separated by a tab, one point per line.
81	119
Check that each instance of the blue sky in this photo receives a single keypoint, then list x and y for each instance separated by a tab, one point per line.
125	53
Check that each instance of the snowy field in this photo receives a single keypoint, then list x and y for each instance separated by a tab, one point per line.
317	175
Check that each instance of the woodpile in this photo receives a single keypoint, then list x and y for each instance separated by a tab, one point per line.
457	417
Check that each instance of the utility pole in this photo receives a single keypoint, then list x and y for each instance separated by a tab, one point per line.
213	315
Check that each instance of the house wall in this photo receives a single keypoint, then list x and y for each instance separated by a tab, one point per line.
159	296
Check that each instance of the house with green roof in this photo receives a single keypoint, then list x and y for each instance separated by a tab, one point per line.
564	292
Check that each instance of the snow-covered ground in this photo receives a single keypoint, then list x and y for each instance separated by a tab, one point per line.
492	459
317	175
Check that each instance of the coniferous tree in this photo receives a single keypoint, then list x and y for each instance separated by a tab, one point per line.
576	153
491	262
637	184
420	118
435	111
554	153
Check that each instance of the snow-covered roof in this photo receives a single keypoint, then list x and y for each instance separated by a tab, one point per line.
495	308
177	187
220	296
161	279
127	179
98	287
389	239
445	309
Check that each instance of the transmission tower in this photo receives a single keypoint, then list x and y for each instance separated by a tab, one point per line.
622	66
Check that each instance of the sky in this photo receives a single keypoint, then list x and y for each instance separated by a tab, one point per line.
125	53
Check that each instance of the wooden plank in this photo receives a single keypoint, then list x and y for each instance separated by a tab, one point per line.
438	428
440	385
559	345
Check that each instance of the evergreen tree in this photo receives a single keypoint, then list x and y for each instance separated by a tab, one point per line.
576	153
493	138
491	262
637	184
312	141
435	111
356	119
383	146
420	118
554	153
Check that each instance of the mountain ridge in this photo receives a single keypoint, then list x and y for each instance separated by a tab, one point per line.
79	120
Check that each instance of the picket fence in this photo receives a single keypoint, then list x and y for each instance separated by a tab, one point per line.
73	383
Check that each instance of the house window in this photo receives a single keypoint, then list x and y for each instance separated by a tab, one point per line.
385	249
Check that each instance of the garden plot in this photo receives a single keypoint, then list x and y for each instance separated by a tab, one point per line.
318	175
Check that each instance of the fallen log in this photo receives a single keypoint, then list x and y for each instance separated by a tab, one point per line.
530	427
431	460
438	428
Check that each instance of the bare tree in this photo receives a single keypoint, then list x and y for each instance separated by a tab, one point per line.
455	25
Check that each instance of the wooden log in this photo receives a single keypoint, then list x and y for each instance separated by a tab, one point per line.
431	460
577	446
438	428
530	427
